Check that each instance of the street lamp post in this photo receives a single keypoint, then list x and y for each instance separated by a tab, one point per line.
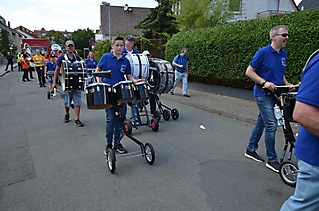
109	14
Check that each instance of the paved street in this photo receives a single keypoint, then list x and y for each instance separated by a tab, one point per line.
46	164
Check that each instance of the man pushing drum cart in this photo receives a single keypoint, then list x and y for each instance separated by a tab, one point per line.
112	92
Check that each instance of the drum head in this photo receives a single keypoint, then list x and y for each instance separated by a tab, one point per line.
62	71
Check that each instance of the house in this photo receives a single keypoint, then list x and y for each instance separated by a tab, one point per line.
308	4
14	36
119	19
252	9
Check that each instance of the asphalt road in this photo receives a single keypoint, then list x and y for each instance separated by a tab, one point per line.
49	165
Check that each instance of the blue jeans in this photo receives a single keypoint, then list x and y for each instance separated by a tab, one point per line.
266	121
74	95
307	189
113	125
181	76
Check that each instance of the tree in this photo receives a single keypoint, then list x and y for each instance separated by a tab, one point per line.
4	41
81	38
55	37
160	21
100	48
206	13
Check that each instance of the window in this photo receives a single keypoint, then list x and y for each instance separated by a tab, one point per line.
236	6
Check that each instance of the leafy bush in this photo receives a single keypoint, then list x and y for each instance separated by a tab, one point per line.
221	55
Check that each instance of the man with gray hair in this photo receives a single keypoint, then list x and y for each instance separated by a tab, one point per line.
267	69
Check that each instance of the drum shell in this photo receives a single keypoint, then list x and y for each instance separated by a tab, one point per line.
123	92
163	76
141	91
72	75
99	96
289	105
139	65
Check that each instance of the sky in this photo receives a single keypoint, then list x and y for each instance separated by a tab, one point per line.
61	15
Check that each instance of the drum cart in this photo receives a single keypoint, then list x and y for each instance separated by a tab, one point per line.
286	101
140	117
146	150
164	110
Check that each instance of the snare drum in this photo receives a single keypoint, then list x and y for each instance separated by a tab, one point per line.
289	101
98	96
139	65
141	92
124	91
163	76
73	75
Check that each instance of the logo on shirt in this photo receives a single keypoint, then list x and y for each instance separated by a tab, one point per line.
283	62
123	68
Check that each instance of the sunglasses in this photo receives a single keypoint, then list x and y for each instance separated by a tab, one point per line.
284	35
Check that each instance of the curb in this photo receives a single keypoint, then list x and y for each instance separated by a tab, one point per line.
15	65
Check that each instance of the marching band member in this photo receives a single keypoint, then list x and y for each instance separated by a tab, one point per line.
120	66
68	96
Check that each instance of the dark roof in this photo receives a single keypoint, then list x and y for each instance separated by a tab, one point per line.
308	4
11	30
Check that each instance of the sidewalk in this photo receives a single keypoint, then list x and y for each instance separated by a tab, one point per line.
229	102
3	67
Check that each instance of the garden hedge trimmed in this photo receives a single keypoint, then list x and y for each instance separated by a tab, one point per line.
220	55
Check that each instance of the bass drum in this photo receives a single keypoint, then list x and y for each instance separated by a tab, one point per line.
139	65
162	76
72	75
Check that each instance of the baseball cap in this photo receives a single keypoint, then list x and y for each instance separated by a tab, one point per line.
69	42
52	56
129	37
55	48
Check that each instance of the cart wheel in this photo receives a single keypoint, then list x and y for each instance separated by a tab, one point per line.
154	124
48	95
166	114
157	115
149	153
288	172
175	113
128	127
110	160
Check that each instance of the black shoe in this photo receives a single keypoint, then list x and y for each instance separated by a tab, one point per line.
275	166
44	85
40	85
120	149
28	80
66	118
32	77
72	105
24	80
172	93
107	148
186	95
78	123
254	156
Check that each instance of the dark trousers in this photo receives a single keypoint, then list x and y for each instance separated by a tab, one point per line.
31	69
40	72
152	102
9	63
19	66
25	74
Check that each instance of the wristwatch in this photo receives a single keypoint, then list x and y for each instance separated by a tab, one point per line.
263	83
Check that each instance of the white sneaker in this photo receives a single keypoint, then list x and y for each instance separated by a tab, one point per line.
54	95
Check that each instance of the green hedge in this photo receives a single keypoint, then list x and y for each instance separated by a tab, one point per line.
221	55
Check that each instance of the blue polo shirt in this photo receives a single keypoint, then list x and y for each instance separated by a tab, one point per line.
51	66
119	67
124	52
307	144
270	65
90	64
181	60
59	61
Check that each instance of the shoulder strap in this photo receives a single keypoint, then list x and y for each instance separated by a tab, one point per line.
310	58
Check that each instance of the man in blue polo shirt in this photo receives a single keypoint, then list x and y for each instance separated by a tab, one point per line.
74	95
180	63
306	113
267	68
120	66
